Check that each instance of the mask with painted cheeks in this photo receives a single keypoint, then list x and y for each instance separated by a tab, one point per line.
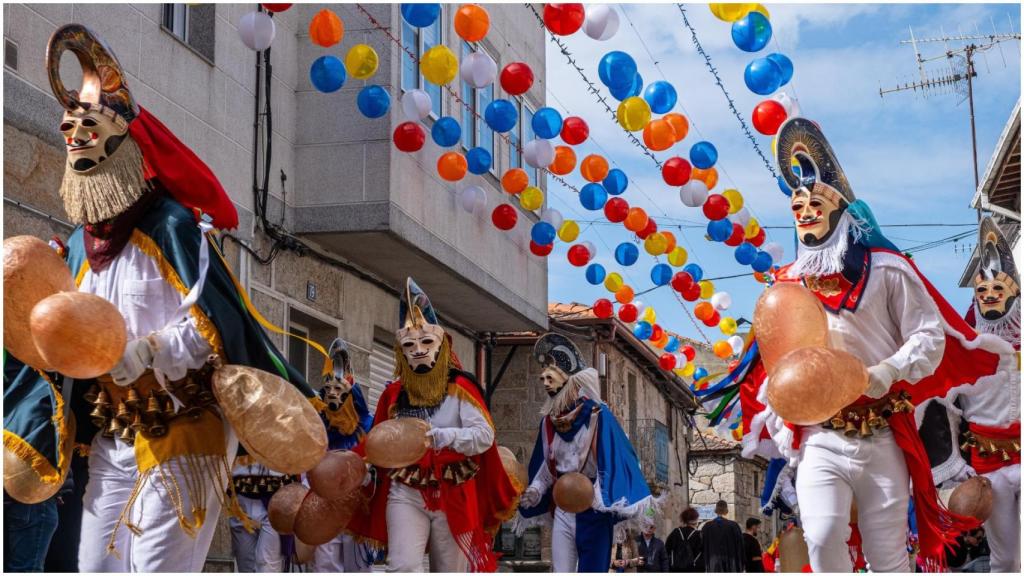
553	379
995	295
92	135
816	214
336	392
421	345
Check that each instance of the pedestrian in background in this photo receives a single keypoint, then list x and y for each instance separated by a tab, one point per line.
751	547
684	546
652	552
723	542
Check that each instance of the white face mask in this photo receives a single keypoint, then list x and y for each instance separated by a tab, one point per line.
421	345
553	380
91	137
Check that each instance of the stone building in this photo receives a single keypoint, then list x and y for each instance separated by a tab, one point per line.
327	239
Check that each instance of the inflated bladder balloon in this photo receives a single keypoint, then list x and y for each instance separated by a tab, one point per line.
788	316
284	505
973	498
77	334
398	442
337	475
574	493
809	385
513	467
793	554
23	483
32	271
319	520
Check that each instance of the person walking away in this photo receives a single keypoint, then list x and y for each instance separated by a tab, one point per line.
751	547
723	542
684	547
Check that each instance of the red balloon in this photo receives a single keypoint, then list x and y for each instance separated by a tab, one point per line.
737	235
603	308
504	217
692	292
563	19
657	332
716	207
275	7
616	209
409	136
667	361
628	313
681	281
733	365
575	130
651	228
712	320
516	78
579	255
676	171
758	238
541	249
768	116
689	352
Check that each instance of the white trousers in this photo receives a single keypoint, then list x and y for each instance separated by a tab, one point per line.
259	551
413	530
1003	527
162	545
834	471
563	542
342	554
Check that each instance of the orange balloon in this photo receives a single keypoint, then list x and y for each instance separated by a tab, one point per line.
760	277
565	161
709	176
624	295
515	180
703	310
452	166
679	124
723	349
594	168
326	29
472	22
659	135
671	239
636	219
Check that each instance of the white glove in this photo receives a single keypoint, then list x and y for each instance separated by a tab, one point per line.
138	355
966	473
443	437
371	474
880	379
530	497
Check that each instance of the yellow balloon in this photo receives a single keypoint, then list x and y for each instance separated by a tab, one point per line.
649	315
634	113
774	152
655	244
688	369
727	326
613	282
731	12
764	11
751	229
439	65
735	200
361	61
707	289
568	231
532	198
677	257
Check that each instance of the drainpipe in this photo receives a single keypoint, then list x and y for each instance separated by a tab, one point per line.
595	361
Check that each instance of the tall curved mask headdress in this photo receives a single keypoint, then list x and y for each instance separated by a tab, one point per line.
997	284
556	350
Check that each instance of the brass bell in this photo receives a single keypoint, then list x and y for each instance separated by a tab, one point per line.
874	420
1004	456
448	475
98	413
133	398
92	394
102	399
837	421
137	424
110	428
414	477
127	435
115	426
1016	446
851	429
865	429
983	450
152	405
157	429
169	409
263	482
122	411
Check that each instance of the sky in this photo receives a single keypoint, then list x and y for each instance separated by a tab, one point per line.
907	156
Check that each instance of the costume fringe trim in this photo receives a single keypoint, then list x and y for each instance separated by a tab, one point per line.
344	419
827	258
83	450
429	389
1007	327
64	443
460	393
108	189
81	272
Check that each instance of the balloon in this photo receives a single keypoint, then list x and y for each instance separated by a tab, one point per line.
719	230
620	93
742	216
677	257
32	271
568	231
676	171
709	177
972	499
478	70
636	220
552	216
768	116
727	326
788	316
326	29
703	310
504	217
661	96
642	330
661	274
472	22
672	345
680	125
735	200
270	7
416	105
501	115
659	135
616	209
745	253
478	160
451	166
603	308
721	300
595	274
439	65
667	361
751	228
774	250
409	137
700	374
615	182
633	113
687	370
681	281
361	61
541	249
707	289
617	69
736	236
624	295
337	475
670	241
716	207
752	32
564	162
809	385
578	255
373	101
613	282
532	198
694	271
594	168
563	19
785	67
793	556
420	15
626	254
703	155
539	153
397	443
790	105
737	343
762	262
546	123
77	334
472	198
655	244
722	349
573	492
542	233
327	74
649	229
574	130
648	314
762	76
516	78
731	12
515	180
593	196
713	320
257	30
446	131
694	193
601	23
284	505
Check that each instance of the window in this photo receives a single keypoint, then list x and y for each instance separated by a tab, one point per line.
468	95
526	114
175	20
418	41
661	452
382	372
194	25
476	132
298	351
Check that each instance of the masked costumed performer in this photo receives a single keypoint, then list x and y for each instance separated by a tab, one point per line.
579	433
454	499
158	470
883	311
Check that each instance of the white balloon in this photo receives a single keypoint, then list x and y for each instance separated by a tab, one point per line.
742	216
736	342
693	193
539	153
602	22
721	300
553	217
478	70
775	250
591	249
257	30
791	105
472	199
416	105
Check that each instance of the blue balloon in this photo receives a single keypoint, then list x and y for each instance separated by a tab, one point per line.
593	196
661	274
420	15
745	253
446	132
373	101
615	182
501	115
783	186
720	230
763	76
547	123
784	64
762	262
595	274
643	330
699	374
617	69
478	161
661	96
752	32
672	345
703	155
327	74
626	253
634	89
542	233
695	271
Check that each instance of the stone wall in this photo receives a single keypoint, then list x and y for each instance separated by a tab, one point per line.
738	481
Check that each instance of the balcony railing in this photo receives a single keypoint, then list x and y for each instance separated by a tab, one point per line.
650	439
